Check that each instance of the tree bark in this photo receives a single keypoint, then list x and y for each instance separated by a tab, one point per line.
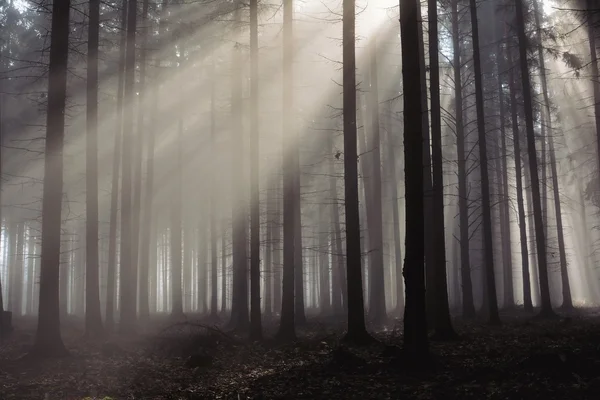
357	331
48	341
287	329
527	302
128	279
93	315
494	317
255	311
442	322
415	318
468	305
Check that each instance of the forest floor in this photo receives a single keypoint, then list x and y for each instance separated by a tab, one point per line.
525	358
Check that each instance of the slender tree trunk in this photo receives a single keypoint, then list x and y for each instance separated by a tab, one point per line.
566	286
324	267
533	167
114	193
31	275
214	261
127	276
393	186
468	305
255	311
357	331
527	303
268	255
287	329
223	268
485	182
415	318
428	184
276	243
336	243
48	341
93	315
239	306
442	322
142	131
299	312
176	228
376	278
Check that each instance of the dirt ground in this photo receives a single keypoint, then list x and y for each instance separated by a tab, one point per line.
525	358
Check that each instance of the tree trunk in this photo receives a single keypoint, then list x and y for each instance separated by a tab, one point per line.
48	341
336	242
566	286
468	305
93	315
377	310
324	267
214	261
533	167
485	183
176	228
442	322
114	192
287	329
357	331
415	318
527	303
127	276
393	186
239	306
255	311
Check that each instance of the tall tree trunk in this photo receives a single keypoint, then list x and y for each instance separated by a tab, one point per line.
18	271
48	341
377	308
176	228
287	329
324	267
468	305
214	261
93	315
428	184
138	156
141	269
336	242
276	243
527	303
114	192
223	267
299	312
255	311
393	186
509	301
31	273
442	323
127	277
357	331
533	167
564	274
268	255
415	318
485	182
